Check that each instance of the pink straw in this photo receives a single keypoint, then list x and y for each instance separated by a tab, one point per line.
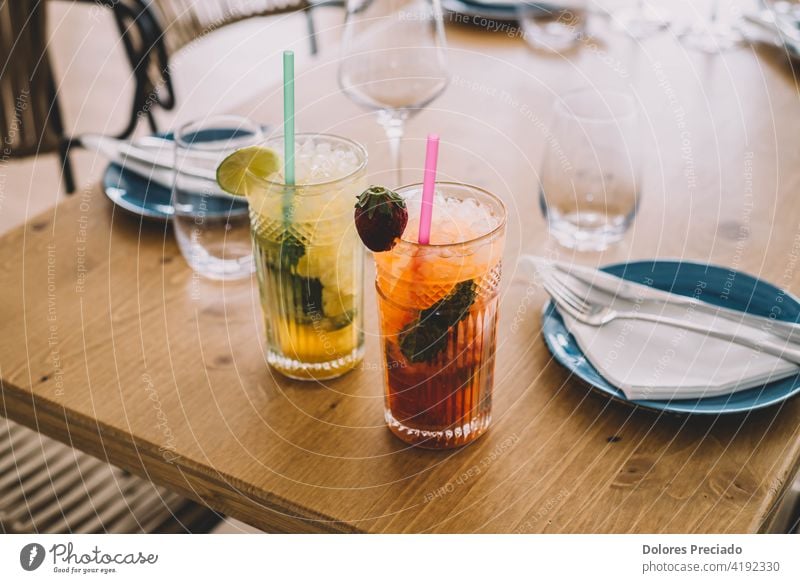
428	187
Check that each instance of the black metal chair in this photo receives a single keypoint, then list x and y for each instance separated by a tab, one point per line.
30	113
151	30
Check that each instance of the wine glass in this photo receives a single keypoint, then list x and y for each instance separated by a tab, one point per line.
640	21
393	61
715	35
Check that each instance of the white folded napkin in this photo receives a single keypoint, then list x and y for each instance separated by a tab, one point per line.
655	361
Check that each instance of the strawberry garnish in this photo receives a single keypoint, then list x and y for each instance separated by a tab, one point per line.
381	218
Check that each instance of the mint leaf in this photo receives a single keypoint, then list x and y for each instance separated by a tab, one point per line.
426	337
304	293
310	289
291	251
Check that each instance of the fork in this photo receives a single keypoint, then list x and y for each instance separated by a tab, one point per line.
594	314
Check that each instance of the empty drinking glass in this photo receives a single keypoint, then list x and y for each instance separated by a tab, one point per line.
211	226
590	175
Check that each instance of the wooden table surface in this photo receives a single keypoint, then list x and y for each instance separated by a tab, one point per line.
109	343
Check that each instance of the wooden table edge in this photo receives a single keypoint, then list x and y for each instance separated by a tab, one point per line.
181	475
770	508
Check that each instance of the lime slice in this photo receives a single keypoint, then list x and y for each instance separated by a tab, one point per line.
243	172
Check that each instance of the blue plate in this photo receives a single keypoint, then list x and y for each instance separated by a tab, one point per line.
137	194
724	287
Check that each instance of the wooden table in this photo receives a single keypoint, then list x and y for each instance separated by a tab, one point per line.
109	343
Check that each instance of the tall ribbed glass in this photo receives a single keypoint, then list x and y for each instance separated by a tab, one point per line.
438	307
310	261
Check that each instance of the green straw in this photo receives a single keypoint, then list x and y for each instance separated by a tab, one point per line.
288	117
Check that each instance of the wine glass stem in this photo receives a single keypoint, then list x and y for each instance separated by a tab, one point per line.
714	12
394	125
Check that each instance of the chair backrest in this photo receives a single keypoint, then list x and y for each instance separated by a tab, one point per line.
186	20
27	89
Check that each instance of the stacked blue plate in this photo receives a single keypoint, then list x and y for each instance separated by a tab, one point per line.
141	196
